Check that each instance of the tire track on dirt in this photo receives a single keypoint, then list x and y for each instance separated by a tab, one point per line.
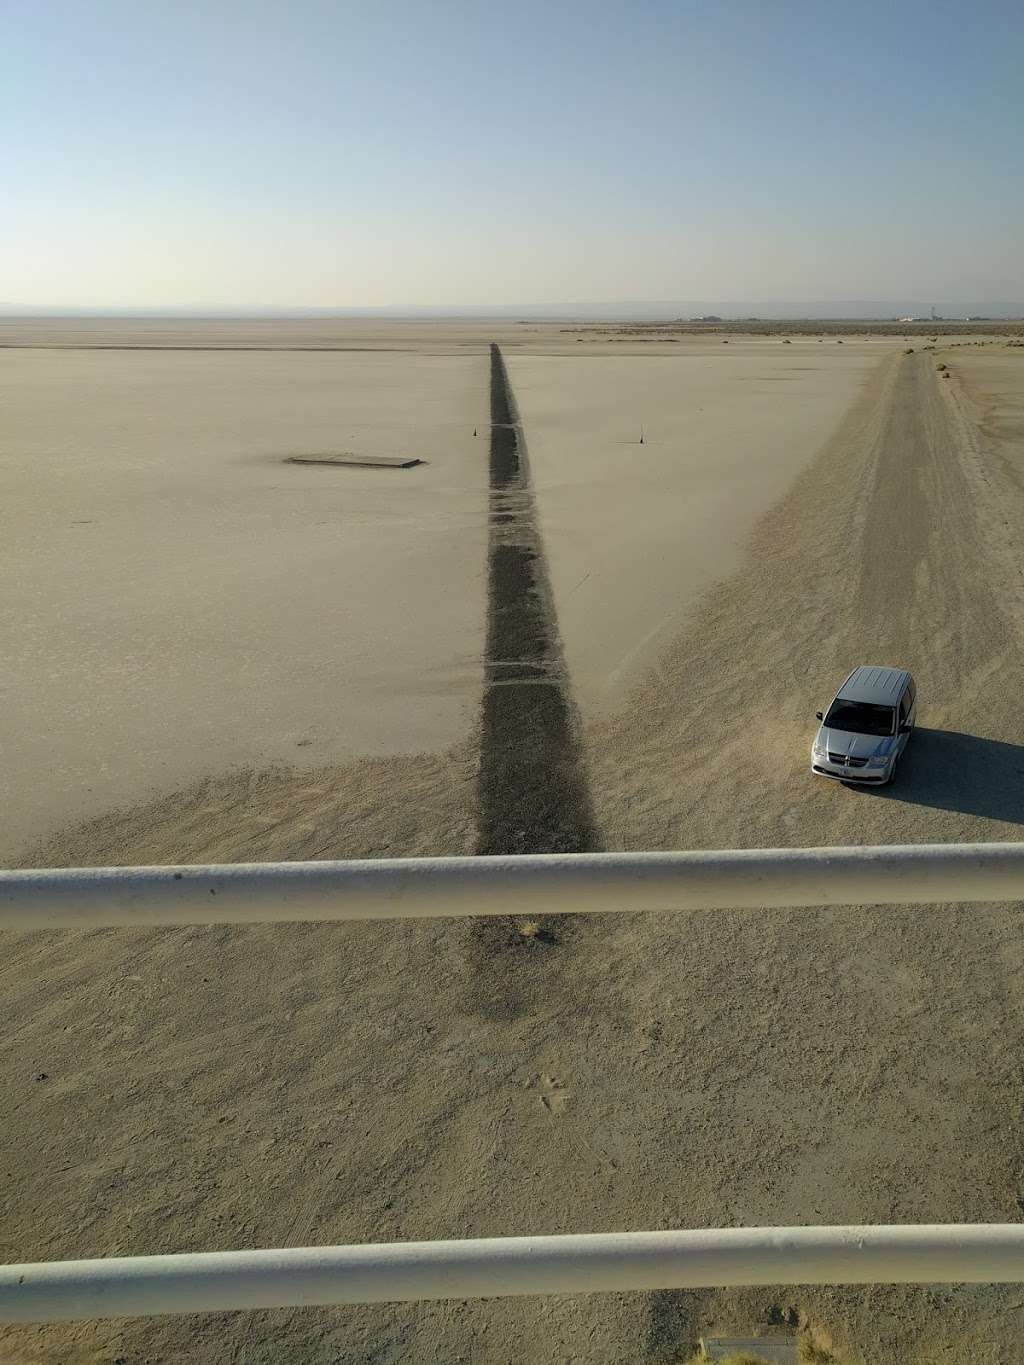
894	1038
533	787
920	589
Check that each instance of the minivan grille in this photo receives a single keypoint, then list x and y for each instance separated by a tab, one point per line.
844	758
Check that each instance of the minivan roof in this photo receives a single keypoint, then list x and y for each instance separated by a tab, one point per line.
870	683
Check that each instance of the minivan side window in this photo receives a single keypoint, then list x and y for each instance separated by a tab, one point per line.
905	706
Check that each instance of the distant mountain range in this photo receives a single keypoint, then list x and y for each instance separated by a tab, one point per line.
636	310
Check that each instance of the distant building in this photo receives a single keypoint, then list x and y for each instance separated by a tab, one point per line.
708	317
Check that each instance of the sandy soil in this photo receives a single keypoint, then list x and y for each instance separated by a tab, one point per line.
178	601
636	534
455	334
259	1087
353	335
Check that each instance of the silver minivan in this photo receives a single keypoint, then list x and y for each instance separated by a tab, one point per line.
867	727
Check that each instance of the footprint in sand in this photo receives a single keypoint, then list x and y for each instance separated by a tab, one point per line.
553	1094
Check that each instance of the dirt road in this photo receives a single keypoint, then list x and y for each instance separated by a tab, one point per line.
856	1066
255	1088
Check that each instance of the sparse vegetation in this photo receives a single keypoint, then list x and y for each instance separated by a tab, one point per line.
909	351
811	1353
529	928
816	1347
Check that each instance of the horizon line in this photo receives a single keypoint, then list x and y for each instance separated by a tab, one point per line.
613	310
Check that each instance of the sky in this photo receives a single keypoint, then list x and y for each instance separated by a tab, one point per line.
432	153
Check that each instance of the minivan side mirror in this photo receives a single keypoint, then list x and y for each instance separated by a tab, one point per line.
820	715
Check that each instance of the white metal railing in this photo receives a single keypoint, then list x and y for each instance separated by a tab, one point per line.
580	883
416	888
490	1267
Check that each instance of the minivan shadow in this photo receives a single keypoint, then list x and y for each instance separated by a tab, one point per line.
952	771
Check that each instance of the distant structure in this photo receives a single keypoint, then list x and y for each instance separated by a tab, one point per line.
934	317
708	317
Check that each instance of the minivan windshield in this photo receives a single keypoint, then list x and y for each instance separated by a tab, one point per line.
861	718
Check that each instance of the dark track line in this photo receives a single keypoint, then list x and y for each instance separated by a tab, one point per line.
533	789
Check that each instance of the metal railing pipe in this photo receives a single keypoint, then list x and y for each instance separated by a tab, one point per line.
222	1281
411	888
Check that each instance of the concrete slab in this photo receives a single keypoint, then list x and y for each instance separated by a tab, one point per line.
359	461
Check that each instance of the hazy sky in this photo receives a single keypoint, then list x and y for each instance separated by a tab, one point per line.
441	151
